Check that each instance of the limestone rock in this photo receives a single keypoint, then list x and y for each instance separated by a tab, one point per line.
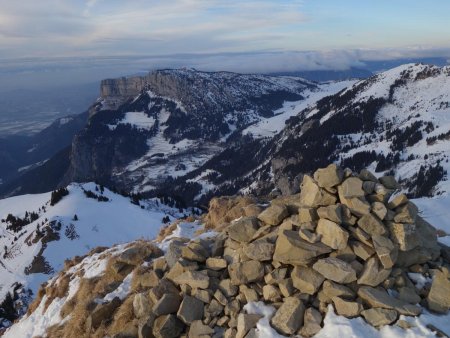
243	229
169	303
406	213
306	215
274	214
329	177
352	187
387	252
104	312
331	212
310	237
373	274
397	201
246	272
260	250
346	308
198	329
306	280
195	279
141	305
378	316
362	250
366	175
194	252
311	195
332	234
439	296
168	326
289	317
311	322
245	322
389	182
291	249
405	235
380	299
216	263
357	205
336	270
191	309
371	225
331	290
379	210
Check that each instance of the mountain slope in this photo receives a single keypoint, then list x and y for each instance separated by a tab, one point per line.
395	122
36	236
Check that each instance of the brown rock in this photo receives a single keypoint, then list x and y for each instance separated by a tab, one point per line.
260	250
291	249
378	316
329	177
306	215
191	309
312	322
389	182
289	317
243	229
311	195
346	308
372	273
306	280
335	270
439	296
331	212
246	272
198	329
331	290
169	303
366	175
274	214
397	201
332	234
379	210
310	237
352	187
167	326
386	250
405	235
380	299
362	250
357	205
245	322
406	213
216	263
195	279
371	225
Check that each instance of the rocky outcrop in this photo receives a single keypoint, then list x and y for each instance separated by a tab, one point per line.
201	286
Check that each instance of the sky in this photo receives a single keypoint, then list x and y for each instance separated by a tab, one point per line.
74	28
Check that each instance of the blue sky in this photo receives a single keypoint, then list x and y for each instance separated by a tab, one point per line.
344	29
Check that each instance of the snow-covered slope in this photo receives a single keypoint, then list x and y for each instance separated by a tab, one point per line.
396	122
73	226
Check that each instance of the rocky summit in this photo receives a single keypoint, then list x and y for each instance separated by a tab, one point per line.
337	244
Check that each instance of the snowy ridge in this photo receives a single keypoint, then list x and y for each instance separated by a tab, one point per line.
96	224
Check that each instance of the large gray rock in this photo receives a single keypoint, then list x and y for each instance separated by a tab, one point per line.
243	229
366	175
387	252
274	214
311	195
329	177
195	279
373	274
195	252
169	303
289	317
357	205
379	210
191	309
372	225
198	329
405	235
245	322
352	187
306	280
246	272
347	308
336	270
167	326
332	234
379	298
141	305
291	249
406	213
331	212
378	316
311	322
260	250
173	252
439	296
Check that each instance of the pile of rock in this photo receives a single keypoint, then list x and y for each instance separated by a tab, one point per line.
345	240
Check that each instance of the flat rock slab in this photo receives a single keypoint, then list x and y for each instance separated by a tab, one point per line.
336	270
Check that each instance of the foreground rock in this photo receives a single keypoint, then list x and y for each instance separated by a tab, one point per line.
341	242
